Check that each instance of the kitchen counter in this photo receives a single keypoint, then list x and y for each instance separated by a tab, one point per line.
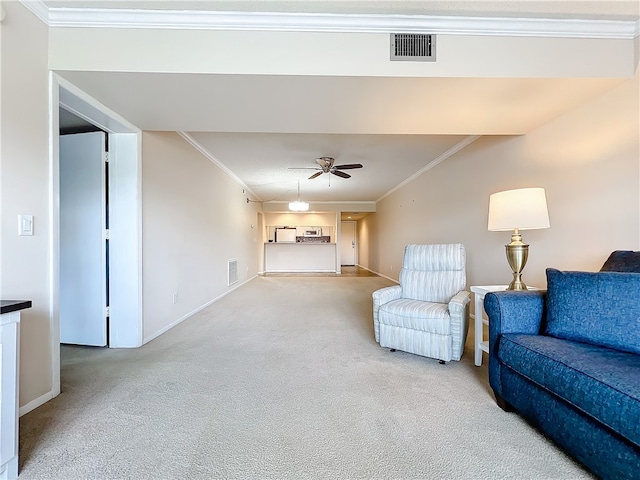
299	257
8	306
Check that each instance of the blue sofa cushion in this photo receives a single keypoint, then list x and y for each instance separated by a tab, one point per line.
601	308
622	261
601	382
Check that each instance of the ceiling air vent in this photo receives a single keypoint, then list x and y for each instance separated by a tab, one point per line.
413	47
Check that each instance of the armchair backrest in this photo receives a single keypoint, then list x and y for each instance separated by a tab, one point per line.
433	273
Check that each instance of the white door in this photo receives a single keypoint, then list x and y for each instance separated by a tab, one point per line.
83	249
348	243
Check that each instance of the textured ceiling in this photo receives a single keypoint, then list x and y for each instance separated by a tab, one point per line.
272	164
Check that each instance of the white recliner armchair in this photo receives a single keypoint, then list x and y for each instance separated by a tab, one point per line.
428	313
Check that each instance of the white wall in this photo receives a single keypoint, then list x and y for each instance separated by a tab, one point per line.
282	207
588	162
326	53
25	185
194	219
368	246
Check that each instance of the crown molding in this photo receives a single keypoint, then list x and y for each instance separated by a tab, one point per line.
453	150
337	23
38	8
367	206
195	144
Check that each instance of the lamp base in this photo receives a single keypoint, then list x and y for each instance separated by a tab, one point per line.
517	254
516	283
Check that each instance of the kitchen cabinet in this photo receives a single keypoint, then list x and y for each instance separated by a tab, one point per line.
9	371
300	257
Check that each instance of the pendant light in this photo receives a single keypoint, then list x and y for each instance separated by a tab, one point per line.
298	206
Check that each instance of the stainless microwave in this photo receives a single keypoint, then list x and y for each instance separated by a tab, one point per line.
316	232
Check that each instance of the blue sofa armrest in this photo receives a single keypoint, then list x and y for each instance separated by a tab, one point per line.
511	312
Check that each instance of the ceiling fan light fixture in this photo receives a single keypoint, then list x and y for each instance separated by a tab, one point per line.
326	165
298	206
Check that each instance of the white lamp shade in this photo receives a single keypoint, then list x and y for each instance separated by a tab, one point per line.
524	209
298	206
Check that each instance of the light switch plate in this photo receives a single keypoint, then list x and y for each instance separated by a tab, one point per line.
25	225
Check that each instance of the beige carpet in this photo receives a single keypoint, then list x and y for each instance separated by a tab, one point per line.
281	379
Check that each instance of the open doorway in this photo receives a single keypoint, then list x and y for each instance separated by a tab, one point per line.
122	285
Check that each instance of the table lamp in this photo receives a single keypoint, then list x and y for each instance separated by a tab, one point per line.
521	209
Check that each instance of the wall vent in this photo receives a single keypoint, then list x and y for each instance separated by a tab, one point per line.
232	271
413	47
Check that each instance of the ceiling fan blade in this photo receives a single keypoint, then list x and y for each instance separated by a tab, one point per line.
317	174
340	174
303	168
348	166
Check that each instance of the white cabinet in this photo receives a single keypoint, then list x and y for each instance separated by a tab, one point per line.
300	257
9	368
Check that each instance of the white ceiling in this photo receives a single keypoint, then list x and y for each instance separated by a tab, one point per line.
260	127
265	161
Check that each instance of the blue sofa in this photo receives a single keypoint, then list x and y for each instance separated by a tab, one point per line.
568	361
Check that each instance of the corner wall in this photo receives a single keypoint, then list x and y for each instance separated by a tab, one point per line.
194	219
588	160
25	189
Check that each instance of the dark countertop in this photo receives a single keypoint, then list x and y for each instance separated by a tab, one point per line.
8	306
299	243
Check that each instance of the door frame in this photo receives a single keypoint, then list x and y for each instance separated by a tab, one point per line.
125	197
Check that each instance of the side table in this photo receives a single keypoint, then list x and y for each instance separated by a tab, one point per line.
480	344
479	291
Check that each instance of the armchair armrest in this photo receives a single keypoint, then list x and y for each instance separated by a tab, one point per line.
459	314
458	303
380	297
511	312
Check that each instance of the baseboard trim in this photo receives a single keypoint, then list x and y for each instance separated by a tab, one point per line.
190	314
379	274
300	271
367	269
33	404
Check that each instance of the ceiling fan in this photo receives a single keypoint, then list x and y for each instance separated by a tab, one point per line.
326	166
